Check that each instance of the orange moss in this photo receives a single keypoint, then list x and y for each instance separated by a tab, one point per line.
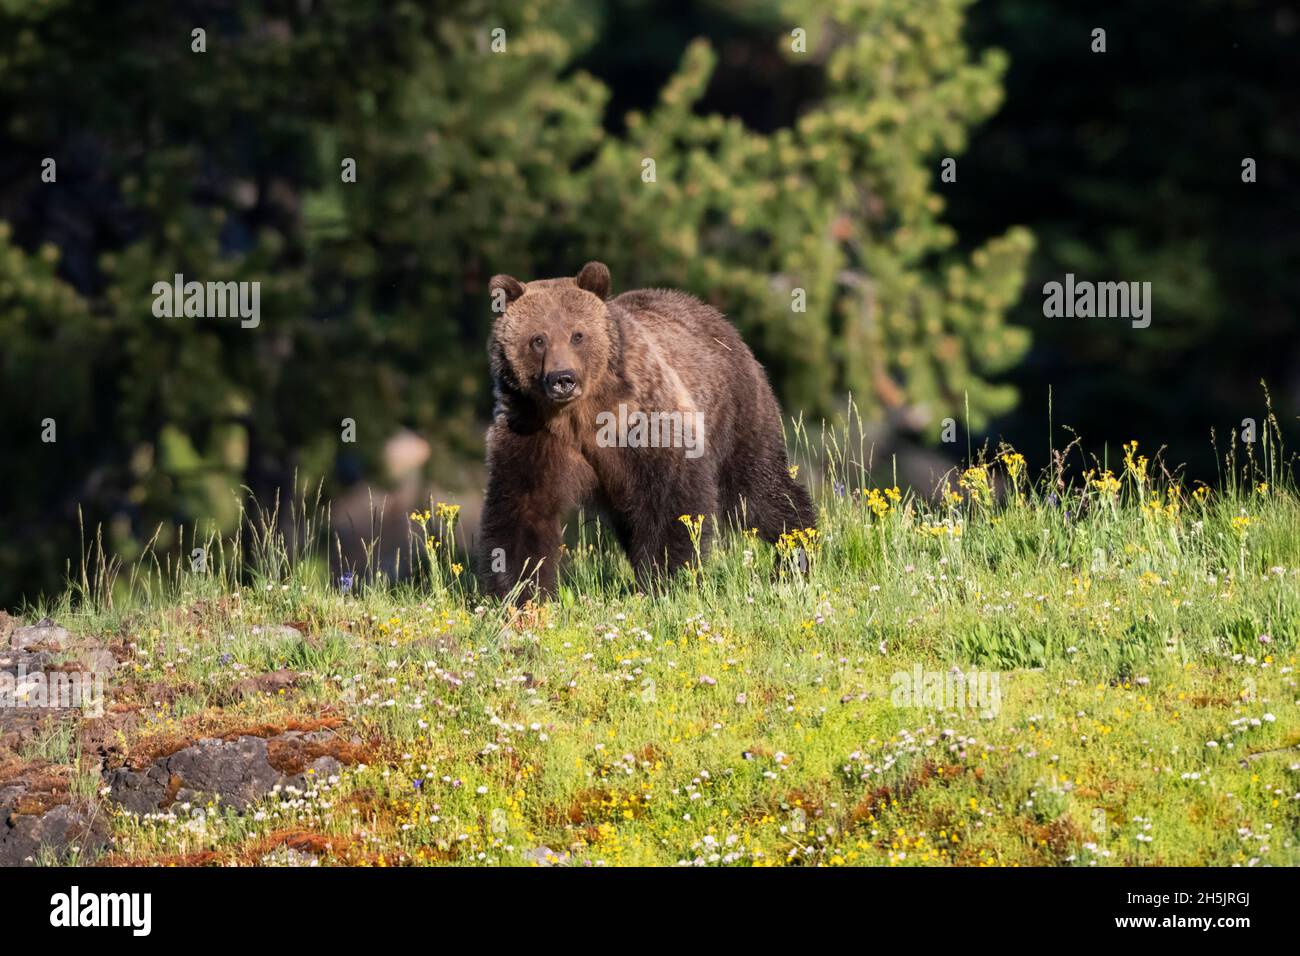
149	750
330	847
292	756
45	785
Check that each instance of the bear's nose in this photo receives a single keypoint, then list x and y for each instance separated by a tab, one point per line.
561	384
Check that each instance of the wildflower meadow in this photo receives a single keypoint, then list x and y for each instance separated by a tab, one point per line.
1089	664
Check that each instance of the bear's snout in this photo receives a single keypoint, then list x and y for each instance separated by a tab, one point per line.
561	386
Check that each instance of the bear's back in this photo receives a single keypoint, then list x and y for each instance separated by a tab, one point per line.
679	319
681	352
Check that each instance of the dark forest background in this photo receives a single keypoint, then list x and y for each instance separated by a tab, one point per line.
777	169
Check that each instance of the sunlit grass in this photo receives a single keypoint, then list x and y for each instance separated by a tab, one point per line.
1143	633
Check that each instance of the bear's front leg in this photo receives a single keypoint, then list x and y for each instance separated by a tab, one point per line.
662	542
533	480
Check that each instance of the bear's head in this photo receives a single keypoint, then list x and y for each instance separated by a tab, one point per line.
551	341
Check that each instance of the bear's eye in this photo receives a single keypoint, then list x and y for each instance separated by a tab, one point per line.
577	337
539	342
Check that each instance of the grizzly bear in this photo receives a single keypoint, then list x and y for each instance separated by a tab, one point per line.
646	407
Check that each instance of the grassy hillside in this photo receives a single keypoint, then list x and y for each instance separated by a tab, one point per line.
1089	667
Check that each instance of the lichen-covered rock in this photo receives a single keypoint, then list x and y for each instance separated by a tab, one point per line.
16	662
44	633
25	706
38	814
232	773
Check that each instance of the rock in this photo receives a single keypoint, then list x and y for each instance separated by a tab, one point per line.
57	831
43	676
33	646
38	813
104	737
21	727
26	710
44	634
271	683
97	660
234	773
15	662
405	453
545	856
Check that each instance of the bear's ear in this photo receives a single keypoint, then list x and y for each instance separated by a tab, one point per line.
594	278
504	289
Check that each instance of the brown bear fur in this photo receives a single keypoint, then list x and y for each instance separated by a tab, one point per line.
653	350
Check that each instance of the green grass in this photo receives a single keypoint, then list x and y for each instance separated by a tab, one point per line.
1143	649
